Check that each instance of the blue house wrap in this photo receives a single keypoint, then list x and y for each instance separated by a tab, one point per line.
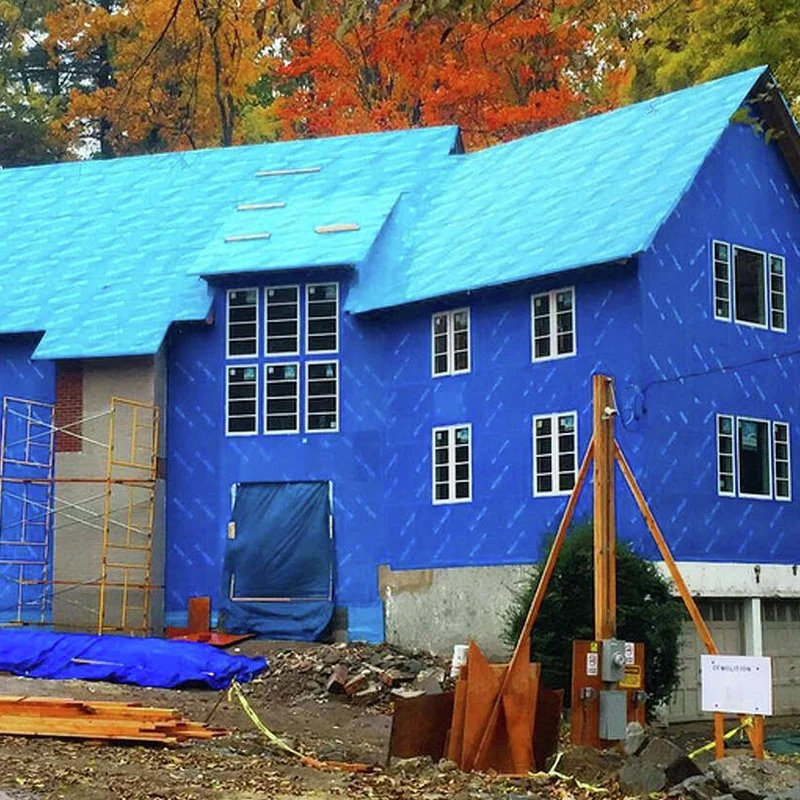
379	349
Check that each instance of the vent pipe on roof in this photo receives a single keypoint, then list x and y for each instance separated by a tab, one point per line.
272	173
247	237
338	228
258	206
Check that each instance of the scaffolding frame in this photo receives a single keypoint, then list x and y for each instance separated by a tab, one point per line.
117	511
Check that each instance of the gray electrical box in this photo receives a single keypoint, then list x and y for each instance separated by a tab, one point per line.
613	714
612	660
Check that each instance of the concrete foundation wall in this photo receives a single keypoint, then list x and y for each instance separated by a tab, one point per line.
78	530
434	609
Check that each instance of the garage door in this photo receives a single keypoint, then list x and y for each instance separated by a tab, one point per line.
781	621
724	619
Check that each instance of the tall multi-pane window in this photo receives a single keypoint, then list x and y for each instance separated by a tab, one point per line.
282	397
451	342
555	453
322	396
553	324
452	464
282	312
753	458
241	400
322	318
242	323
749	286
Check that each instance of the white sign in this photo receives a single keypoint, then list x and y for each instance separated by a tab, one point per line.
630	653
736	684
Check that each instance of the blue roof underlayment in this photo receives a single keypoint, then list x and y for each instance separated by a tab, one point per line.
103	256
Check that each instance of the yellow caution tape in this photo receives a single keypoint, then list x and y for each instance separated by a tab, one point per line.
747	722
235	690
553	772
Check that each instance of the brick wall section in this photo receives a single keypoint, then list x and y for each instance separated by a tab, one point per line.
69	406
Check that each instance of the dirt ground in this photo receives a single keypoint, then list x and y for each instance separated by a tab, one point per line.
242	765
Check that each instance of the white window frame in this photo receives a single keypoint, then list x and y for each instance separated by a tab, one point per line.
733	454
554	453
451	464
308	288
727	280
552	315
308	365
228	431
269	365
775	425
286	353
228	354
450	352
777	328
739	491
763	254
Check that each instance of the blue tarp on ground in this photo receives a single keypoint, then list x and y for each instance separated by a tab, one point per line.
145	662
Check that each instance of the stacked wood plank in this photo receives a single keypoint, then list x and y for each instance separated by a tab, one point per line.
62	717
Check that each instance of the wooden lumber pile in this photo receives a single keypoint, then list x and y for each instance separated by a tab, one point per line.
63	717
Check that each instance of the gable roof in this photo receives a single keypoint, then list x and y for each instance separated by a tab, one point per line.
591	192
103	256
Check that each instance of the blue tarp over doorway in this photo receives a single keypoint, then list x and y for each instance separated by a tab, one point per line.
278	576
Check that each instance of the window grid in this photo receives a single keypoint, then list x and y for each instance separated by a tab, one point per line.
241	400
745	426
450	331
777	292
452	464
722	281
782	459
282	319
282	398
553	324
322	318
725	456
322	396
555	453
241	323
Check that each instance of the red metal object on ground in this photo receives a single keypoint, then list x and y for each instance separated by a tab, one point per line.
199	628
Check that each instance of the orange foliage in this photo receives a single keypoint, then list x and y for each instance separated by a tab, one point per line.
522	69
180	70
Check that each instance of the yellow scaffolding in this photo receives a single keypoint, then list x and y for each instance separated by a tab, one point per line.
119	538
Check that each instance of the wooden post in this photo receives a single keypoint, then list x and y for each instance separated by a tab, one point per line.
605	542
757	739
719	736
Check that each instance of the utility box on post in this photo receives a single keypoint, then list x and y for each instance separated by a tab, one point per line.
607	690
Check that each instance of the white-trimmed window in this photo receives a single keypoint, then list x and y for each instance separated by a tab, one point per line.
282	313
553	324
555	453
322	396
452	464
282	398
241	400
241	329
753	458
450	342
322	318
749	286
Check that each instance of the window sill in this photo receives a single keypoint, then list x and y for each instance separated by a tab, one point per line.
451	502
553	358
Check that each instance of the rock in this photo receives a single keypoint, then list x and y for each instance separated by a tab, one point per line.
660	765
789	794
414	665
430	680
444	765
330	658
337	680
405	693
356	684
589	765
746	778
311	686
635	738
698	787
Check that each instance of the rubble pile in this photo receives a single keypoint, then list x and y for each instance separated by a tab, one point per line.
360	674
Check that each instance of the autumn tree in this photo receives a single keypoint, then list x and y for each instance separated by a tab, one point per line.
180	72
683	42
517	68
